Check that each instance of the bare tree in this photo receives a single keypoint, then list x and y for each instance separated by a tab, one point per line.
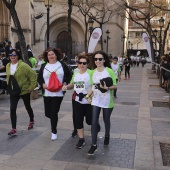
84	9
11	7
143	14
100	11
69	30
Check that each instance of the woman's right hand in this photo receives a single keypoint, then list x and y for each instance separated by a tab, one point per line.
64	88
44	86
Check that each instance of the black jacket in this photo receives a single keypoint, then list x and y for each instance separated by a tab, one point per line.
66	79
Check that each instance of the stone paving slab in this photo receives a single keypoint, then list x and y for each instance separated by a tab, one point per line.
140	125
12	145
120	153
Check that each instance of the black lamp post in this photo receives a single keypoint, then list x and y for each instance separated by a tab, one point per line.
129	44
48	4
155	33
161	25
123	38
107	38
91	22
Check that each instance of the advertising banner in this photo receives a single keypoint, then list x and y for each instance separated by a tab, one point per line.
94	38
147	44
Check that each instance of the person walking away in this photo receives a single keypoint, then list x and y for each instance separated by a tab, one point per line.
81	84
8	47
116	69
26	79
53	98
143	61
120	62
126	64
32	59
137	61
101	63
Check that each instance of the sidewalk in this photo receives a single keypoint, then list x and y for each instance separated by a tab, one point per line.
136	130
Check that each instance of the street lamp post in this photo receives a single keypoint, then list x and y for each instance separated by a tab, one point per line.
91	22
161	25
48	4
107	38
155	33
129	45
123	38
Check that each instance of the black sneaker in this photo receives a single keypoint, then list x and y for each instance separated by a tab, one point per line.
80	144
74	134
92	150
106	140
115	96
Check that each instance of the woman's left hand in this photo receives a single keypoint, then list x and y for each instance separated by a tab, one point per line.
104	87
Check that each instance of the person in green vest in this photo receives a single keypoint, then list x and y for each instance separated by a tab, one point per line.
32	59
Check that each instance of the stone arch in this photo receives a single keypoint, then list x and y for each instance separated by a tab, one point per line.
56	17
58	24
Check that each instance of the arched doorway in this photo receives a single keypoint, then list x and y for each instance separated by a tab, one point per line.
62	41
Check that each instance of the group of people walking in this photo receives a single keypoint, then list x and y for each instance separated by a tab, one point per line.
89	87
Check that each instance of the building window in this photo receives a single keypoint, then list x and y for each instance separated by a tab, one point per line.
138	34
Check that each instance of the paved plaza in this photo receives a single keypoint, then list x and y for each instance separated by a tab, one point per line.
137	128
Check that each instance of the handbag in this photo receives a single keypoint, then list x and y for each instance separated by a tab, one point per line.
108	81
54	84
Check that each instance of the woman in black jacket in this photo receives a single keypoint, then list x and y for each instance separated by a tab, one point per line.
52	100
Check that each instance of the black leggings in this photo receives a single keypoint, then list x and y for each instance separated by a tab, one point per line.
52	107
127	71
115	90
13	107
95	120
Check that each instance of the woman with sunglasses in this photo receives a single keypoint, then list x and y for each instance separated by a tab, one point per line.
104	101
27	80
53	99
81	84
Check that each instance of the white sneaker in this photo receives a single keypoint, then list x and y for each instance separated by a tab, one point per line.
53	136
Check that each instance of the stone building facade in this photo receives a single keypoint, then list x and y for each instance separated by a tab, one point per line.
4	21
35	30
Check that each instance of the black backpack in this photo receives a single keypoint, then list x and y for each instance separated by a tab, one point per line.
13	87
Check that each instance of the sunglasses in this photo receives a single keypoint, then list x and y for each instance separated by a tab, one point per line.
100	59
84	63
13	55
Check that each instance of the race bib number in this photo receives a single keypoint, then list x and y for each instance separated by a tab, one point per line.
95	87
79	86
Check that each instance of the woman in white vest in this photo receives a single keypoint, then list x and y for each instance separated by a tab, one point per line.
102	96
81	83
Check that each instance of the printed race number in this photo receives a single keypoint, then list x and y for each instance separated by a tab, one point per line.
79	86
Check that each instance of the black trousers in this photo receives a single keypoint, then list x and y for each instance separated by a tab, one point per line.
13	107
115	90
52	107
95	120
127	71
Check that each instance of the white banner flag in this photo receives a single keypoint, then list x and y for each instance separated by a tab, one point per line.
147	44
94	38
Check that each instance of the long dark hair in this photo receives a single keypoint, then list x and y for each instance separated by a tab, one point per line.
57	52
105	56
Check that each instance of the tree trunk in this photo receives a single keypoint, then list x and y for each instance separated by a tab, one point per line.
101	39
69	31
86	33
21	37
